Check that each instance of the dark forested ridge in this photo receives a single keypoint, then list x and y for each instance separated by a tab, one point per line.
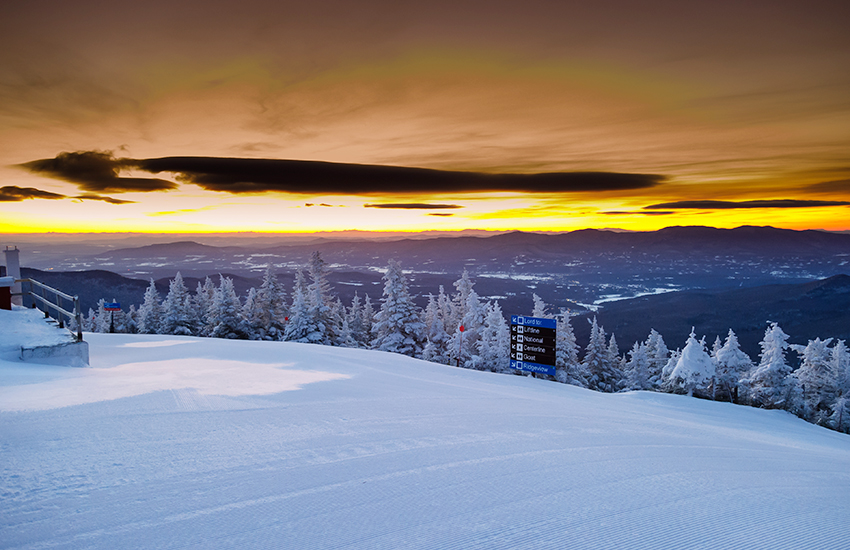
805	311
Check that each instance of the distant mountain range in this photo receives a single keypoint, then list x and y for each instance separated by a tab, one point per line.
713	279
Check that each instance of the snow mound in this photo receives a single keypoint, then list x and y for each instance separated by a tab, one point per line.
386	452
27	328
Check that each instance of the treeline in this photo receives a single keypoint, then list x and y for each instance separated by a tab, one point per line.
817	391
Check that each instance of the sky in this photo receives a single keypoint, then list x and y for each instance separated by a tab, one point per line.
269	116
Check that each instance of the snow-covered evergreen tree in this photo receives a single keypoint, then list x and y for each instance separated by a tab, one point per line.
398	325
568	369
204	295
840	363
323	324
251	323
358	325
300	323
667	370
131	321
150	313
102	322
637	368
337	320
539	309
767	382
694	371
90	321
596	359
467	341
270	302
840	418
177	316
435	331
814	381
731	363
346	336
659	355
226	311
494	344
459	302
368	317
613	375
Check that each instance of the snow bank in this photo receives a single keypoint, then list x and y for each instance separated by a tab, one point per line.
389	452
27	328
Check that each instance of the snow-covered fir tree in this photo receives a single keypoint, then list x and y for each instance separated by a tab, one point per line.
226	312
323	324
204	295
90	321
494	343
459	302
359	325
338	319
346	336
270	302
637	373
568	369
596	361
839	418
299	324
840	364
667	370
694	370
458	349
177	307
730	363
465	342
251	324
435	331
815	382
767	384
398	324
658	355
150	312
614	375
102	321
539	309
131	321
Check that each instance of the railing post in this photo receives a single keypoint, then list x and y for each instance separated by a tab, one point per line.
78	315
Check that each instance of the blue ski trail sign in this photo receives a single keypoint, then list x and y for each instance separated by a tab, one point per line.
533	344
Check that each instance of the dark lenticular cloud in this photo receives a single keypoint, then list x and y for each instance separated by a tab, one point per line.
726	205
236	175
12	193
414	206
95	171
98	171
110	200
624	212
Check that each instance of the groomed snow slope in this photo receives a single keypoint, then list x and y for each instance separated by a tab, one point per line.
170	442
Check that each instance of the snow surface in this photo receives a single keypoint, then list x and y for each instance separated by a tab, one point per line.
23	327
178	442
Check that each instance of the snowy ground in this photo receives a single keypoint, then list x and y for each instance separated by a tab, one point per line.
170	442
22	327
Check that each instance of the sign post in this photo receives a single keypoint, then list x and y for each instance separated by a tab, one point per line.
112	307
533	344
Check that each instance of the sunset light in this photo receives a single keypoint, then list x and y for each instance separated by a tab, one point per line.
740	104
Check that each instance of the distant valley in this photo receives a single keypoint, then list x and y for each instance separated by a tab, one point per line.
686	276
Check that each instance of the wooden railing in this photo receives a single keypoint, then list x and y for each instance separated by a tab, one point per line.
43	294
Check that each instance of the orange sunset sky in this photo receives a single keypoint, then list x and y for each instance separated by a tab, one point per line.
167	116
